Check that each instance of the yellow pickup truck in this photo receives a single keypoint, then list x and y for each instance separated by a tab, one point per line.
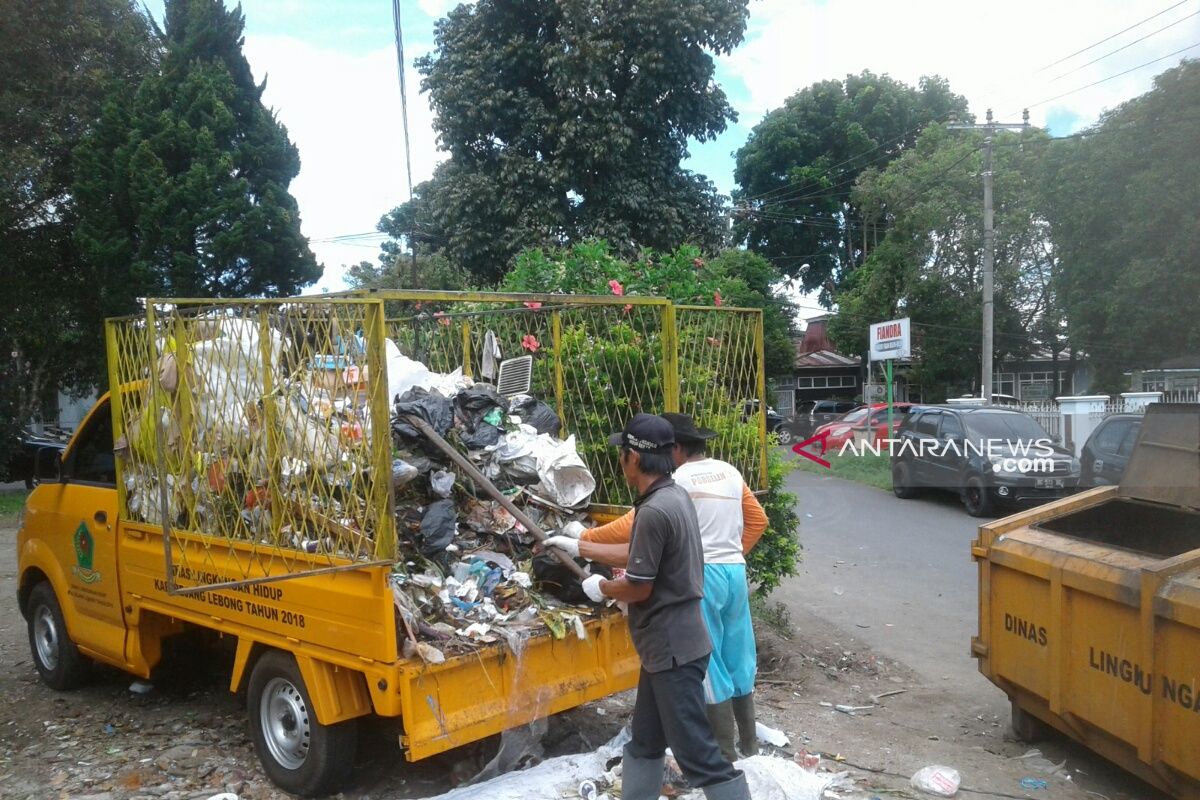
134	541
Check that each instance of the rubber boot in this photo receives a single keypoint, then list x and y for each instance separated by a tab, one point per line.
720	717
736	789
743	712
641	778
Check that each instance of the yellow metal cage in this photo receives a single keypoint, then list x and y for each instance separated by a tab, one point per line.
257	434
600	359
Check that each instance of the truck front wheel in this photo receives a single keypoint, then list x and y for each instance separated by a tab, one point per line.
55	656
298	753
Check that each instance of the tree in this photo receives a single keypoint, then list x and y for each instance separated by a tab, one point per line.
566	121
434	271
1121	200
797	170
928	264
59	59
183	185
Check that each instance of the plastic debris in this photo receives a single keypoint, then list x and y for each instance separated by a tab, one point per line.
771	736
1034	783
442	482
438	527
937	780
141	687
535	414
402	472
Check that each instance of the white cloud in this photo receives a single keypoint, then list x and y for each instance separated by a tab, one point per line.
342	110
439	8
990	52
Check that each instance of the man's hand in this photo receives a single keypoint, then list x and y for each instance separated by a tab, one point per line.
565	543
574	529
591	587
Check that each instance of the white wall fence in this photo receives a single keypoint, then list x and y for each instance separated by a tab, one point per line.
1073	419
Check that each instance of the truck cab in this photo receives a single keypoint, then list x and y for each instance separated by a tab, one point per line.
67	552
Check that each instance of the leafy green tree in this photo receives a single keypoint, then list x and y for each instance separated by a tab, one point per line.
183	186
434	271
58	59
928	265
1121	199
569	120
798	168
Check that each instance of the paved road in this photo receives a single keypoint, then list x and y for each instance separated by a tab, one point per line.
900	567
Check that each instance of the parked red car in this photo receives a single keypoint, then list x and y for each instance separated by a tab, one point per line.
856	424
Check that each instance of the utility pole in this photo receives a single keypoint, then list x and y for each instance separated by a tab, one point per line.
989	241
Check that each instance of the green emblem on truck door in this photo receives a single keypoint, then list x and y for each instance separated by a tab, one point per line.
85	549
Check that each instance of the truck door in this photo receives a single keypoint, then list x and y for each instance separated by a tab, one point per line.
81	520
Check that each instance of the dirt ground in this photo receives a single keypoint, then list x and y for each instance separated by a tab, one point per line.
188	737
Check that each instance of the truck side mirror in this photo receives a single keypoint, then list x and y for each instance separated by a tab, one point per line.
47	465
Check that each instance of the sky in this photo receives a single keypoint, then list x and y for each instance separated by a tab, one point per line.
331	72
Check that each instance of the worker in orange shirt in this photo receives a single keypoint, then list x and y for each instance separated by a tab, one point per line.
731	523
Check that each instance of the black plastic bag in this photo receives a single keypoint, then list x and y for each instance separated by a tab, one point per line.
536	414
438	527
474	404
429	406
554	577
485	435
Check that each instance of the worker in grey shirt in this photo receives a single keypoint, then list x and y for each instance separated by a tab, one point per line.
663	584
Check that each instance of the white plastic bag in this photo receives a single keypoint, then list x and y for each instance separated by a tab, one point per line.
937	780
565	479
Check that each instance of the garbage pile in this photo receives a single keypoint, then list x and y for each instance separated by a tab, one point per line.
467	573
289	463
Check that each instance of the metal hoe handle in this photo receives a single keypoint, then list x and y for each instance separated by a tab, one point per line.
481	480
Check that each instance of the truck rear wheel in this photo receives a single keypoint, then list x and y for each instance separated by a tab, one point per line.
55	656
298	753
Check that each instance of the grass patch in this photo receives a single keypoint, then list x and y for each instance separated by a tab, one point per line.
873	470
11	502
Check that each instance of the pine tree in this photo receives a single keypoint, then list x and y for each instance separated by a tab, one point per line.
183	186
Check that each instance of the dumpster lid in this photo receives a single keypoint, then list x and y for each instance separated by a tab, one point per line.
1165	464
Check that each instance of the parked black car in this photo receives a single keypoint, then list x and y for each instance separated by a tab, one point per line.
821	412
989	456
22	463
776	422
1106	452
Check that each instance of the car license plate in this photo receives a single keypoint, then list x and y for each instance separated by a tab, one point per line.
1049	483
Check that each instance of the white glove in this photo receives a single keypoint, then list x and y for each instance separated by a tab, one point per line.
591	587
565	543
574	529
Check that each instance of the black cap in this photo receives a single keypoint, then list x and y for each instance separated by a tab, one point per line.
686	430
645	433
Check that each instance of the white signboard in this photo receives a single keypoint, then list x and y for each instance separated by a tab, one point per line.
891	339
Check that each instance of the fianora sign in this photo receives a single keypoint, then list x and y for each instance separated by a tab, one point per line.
891	339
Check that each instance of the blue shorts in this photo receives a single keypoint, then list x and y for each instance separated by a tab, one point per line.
726	609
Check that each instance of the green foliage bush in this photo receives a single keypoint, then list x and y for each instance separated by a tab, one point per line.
778	551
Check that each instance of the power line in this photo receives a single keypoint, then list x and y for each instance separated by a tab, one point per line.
404	121
828	173
1126	46
1113	77
1113	36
